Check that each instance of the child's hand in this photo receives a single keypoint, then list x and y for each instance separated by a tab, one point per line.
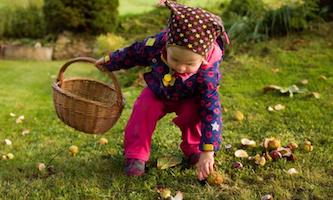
99	64
205	165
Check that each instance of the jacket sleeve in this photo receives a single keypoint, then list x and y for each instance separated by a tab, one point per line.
210	109
139	53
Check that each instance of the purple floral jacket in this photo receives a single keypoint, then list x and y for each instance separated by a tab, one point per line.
203	84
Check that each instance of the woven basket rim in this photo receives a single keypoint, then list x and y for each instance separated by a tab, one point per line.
55	85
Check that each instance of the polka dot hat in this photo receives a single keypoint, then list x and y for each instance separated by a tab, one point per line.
193	28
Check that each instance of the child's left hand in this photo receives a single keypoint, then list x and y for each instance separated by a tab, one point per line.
205	165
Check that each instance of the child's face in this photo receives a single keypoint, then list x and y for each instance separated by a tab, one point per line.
183	60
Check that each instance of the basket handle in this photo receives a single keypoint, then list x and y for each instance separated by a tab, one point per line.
60	78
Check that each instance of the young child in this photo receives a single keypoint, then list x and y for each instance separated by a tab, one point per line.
184	79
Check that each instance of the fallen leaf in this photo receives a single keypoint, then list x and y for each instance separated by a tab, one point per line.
284	90
271	88
322	77
275	70
12	114
314	94
240	153
20	119
168	161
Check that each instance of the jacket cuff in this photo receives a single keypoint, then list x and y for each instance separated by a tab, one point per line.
209	147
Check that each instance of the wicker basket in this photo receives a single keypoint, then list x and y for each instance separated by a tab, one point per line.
85	104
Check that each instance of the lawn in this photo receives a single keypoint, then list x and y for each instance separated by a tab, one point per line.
125	7
97	170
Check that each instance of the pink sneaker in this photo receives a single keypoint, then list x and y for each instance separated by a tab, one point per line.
134	167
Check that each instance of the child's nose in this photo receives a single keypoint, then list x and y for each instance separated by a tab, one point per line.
181	68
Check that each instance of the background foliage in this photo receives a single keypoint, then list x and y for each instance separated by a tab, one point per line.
94	16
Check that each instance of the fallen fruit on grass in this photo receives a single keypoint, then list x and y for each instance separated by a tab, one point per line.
285	152
165	193
8	142
260	161
214	178
267	156
308	146
238	116
20	119
292	146
10	156
304	81
228	146
103	141
73	150
237	165
247	142
292	157
41	166
270	108
4	157
292	171
12	114
267	197
25	132
279	107
275	154
240	153
271	143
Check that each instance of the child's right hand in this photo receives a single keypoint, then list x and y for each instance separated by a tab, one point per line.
100	64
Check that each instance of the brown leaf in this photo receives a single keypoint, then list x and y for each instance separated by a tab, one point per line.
168	161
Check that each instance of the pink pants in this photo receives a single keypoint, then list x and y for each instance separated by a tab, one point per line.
147	110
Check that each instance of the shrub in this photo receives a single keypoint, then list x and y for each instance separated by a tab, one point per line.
261	21
23	22
107	43
92	17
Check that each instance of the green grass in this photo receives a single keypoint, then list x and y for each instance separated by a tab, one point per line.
126	7
97	171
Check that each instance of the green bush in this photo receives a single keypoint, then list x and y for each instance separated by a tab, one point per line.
92	17
136	27
251	20
23	22
107	43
